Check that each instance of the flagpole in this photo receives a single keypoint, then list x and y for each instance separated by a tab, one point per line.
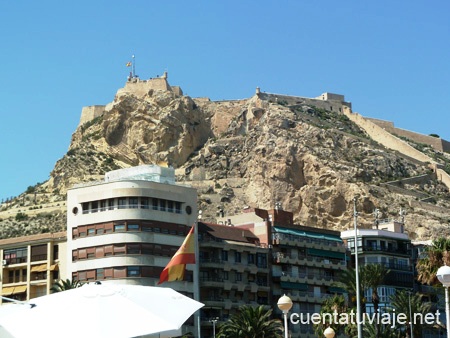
196	276
133	66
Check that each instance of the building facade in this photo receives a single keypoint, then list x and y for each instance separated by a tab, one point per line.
31	265
304	263
389	246
234	271
126	228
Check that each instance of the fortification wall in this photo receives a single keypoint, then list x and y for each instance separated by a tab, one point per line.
332	105
385	138
140	87
437	143
90	112
443	177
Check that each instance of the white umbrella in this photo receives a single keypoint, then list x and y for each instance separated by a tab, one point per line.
99	310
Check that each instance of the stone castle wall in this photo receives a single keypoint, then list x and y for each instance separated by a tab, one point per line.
133	86
90	112
328	101
384	137
437	143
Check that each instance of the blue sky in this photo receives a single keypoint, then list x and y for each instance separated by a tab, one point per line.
389	58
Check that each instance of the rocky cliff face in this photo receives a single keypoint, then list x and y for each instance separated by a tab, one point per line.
247	153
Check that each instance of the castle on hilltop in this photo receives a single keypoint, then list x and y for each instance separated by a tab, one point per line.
135	86
328	101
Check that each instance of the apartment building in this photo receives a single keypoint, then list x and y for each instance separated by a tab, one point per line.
31	264
387	244
234	271
304	261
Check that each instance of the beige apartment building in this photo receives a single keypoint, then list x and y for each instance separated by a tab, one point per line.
31	265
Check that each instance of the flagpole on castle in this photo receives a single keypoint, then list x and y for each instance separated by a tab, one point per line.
133	69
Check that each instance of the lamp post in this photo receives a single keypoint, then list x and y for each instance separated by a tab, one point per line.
410	316
214	321
358	295
443	274
285	304
329	332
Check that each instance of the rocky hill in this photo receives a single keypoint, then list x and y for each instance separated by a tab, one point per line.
251	152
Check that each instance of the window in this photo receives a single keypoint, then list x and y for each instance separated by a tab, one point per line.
237	257
225	275
261	260
251	258
55	251
111	204
133	271
39	253
238	277
178	207
119	249
100	274
94	206
15	256
91	231
122	203
119	227
102	205
134	202
144	203
170	206
155	203
85	207
132	227
162	205
224	255
133	249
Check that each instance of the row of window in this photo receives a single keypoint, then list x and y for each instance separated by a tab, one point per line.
260	259
124	249
130	226
130	203
20	275
208	276
122	272
20	255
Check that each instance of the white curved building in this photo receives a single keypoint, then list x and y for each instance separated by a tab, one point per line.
127	227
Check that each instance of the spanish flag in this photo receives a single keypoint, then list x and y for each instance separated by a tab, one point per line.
177	265
128	64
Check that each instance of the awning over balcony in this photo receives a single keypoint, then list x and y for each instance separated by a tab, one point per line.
308	234
294	286
39	268
12	290
8	291
326	253
43	268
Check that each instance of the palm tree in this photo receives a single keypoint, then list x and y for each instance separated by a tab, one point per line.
401	303
372	331
331	305
63	285
435	256
251	322
373	276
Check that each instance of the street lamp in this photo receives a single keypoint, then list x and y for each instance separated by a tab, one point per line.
443	274
329	332
358	295
214	321
285	304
